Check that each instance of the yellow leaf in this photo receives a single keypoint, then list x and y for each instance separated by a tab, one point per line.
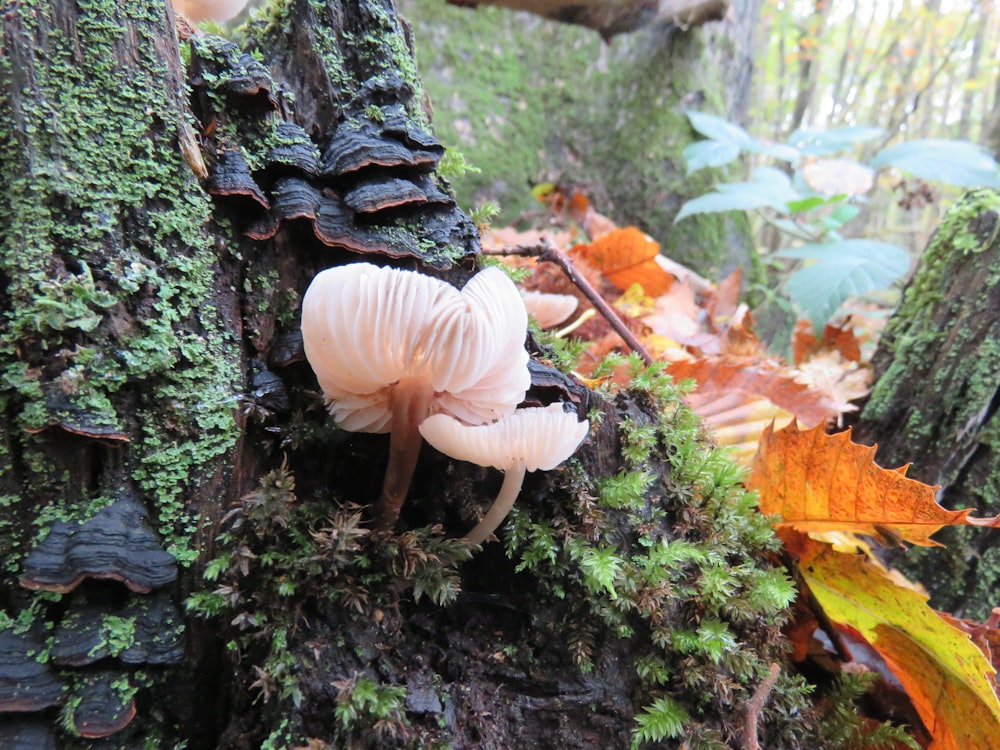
946	676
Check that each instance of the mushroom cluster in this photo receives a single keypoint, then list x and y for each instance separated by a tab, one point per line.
400	352
391	347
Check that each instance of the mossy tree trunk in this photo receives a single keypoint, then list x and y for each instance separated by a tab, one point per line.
160	423
529	101
936	396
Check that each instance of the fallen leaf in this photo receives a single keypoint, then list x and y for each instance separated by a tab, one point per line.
948	679
626	257
835	337
820	482
717	374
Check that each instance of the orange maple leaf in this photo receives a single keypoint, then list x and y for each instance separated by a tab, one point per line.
626	257
820	482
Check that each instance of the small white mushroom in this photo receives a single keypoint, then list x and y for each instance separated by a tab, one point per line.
391	347
549	310
527	440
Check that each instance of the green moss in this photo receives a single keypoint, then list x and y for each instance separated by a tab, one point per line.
912	330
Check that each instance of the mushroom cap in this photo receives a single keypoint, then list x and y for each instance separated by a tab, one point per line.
549	309
365	329
539	438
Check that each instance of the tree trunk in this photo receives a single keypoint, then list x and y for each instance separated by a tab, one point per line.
991	128
936	395
165	443
529	101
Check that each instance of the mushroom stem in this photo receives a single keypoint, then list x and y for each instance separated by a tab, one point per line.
513	478
410	403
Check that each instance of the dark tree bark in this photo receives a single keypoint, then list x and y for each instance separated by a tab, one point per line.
165	445
936	395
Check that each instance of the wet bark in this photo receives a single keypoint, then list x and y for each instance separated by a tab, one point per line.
169	475
936	396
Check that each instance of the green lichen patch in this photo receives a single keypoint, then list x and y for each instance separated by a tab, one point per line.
112	270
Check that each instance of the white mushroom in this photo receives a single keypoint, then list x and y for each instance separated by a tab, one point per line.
549	309
527	440
390	347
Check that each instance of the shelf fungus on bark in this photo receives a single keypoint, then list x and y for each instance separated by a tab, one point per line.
26	684
527	440
379	194
149	629
115	543
391	347
96	418
293	151
104	704
360	143
219	66
230	177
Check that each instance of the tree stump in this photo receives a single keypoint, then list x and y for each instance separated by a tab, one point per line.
936	395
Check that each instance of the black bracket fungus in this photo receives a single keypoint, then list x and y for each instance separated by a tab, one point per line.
220	67
102	706
374	195
230	177
294	152
26	684
360	143
92	418
116	543
146	630
371	192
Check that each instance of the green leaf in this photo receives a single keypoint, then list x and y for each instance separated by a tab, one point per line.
832	141
718	129
842	269
774	150
844	213
768	188
957	163
806	204
703	154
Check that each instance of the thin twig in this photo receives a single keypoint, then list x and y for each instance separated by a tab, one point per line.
756	705
546	251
